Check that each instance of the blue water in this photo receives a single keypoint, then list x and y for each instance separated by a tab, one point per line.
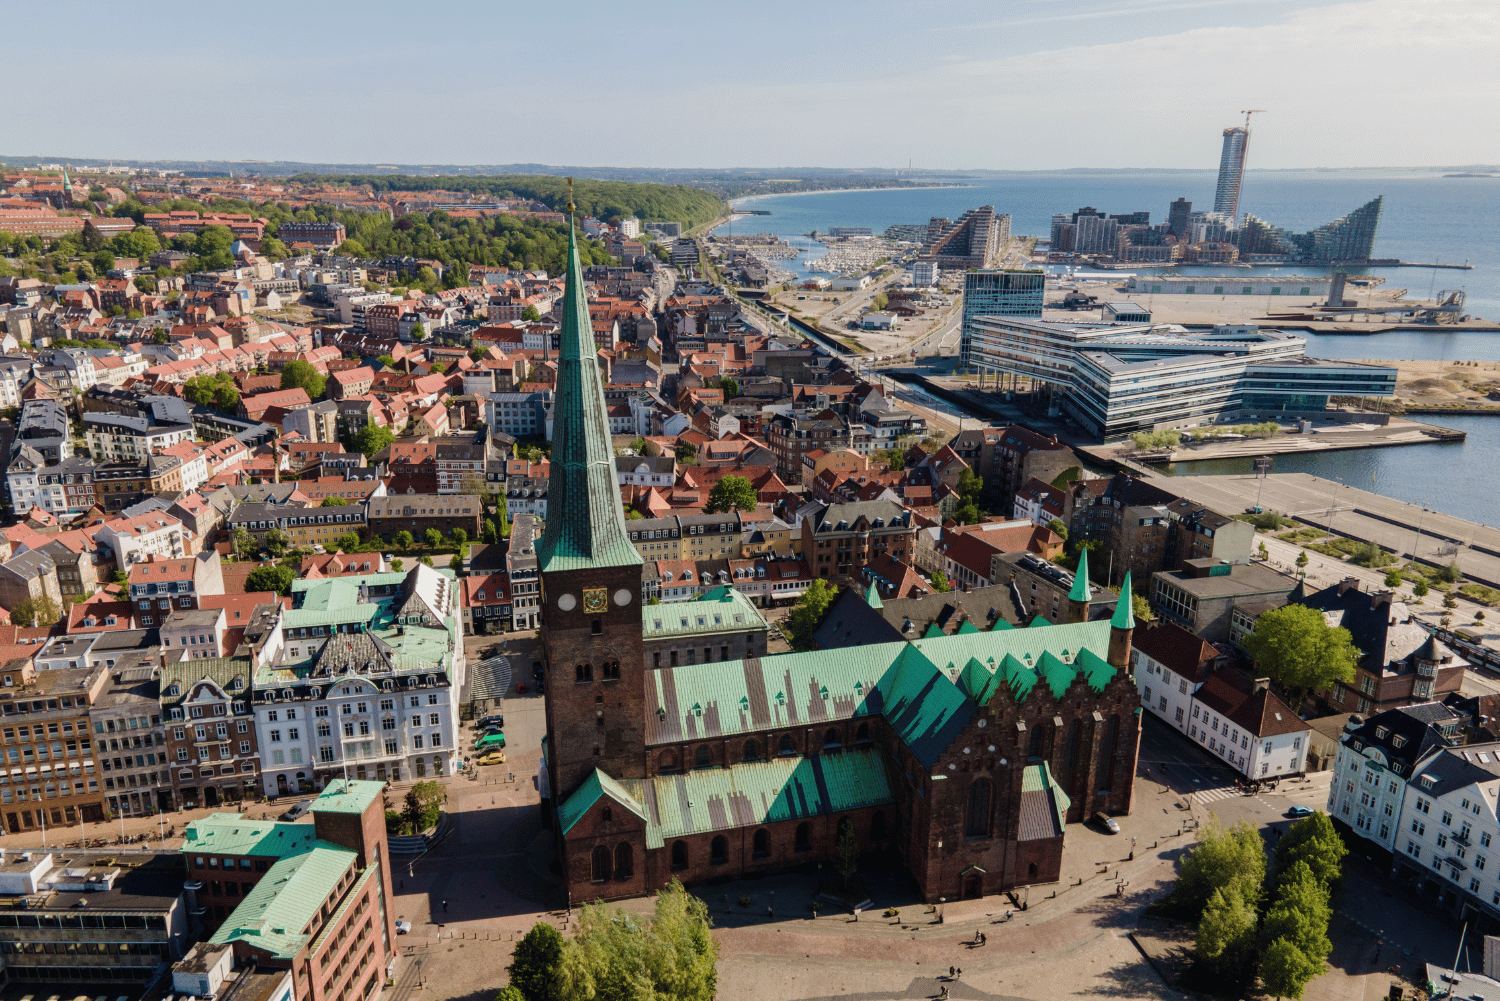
1424	218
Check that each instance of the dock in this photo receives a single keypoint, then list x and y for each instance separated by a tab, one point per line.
1329	437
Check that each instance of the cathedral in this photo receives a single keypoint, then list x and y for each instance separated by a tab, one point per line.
965	754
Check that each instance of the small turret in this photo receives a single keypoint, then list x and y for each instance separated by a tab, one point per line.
1078	598
1121	627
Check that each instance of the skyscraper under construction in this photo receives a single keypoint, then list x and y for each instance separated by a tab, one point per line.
1231	171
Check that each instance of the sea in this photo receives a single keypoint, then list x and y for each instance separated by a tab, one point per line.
1425	217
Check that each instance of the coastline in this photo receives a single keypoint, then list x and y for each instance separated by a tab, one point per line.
830	191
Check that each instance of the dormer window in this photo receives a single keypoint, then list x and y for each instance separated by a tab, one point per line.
1398	740
1381	732
1428	781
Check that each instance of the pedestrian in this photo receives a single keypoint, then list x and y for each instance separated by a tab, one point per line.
770	913
984	938
445	906
959	974
950	973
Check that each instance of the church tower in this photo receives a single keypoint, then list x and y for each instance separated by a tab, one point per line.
1079	596
591	574
1122	627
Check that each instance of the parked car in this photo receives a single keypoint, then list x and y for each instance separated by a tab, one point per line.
298	811
1107	822
490	741
1300	811
487	721
403	927
492	758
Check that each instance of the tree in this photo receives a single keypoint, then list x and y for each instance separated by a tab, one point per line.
1393	579
618	956
1056	527
1141	608
1226	933
347	542
1297	649
970	486
731	493
1233	859
273	249
940	583
40	612
300	374
404	540
1300	915
438	368
510	993
211	246
967	514
687	453
730	387
1311	843
352	248
276	541
808	613
243	541
456	564
530	313
880	301
1285	970
334	502
271	578
433	538
1420	588
535	963
418	332
396	565
1451	573
373	438
1449	601
1302	560
460	537
426	561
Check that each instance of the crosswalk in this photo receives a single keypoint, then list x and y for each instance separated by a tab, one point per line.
1215	794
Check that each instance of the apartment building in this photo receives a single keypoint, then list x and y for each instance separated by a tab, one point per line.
118	485
1376	758
416	513
519	414
1448	829
304	526
525	577
791	436
130	737
141	537
1006	458
459	463
51	779
118	438
840	539
211	744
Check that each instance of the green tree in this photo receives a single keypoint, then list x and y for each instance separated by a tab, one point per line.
347	542
211	246
273	249
397	565
1450	574
438	368
1420	588
433	538
687	453
530	313
1312	843
1057	528
276	541
805	616
404	540
418	332
1226	933
1141	608
967	514
731	493
1297	649
1300	914
1285	969
426	561
970	486
334	502
940	583
460	537
271	578
880	301
510	993
730	387
40	612
1233	859
242	540
301	374
373	438
1302	560
1393	579
536	963
618	956
352	248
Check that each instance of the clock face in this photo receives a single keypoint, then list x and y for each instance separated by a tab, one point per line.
566	602
595	599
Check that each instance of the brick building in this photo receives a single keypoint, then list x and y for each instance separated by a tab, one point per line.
416	513
839	539
967	754
45	716
792	436
211	747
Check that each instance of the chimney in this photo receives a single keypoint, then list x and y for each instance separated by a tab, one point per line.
1261	684
1347	584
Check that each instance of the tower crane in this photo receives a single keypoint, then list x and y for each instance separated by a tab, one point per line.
1251	111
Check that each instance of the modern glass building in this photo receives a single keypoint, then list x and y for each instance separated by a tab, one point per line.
1350	238
1118	380
998	293
1231	171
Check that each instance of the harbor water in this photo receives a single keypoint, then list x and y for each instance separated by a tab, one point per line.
1428	218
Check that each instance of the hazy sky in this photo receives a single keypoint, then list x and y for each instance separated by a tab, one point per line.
996	84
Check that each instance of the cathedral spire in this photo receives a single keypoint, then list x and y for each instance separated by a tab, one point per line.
585	516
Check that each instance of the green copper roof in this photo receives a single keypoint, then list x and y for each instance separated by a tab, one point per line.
872	597
594	788
279	911
1124	617
722	610
233	834
348	796
967	626
585	516
1080	590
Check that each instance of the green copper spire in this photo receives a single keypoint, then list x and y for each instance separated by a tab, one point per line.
67	184
872	597
1080	590
585	516
1124	617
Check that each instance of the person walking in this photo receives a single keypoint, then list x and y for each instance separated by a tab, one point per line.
445	906
950	973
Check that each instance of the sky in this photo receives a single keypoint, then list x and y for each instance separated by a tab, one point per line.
964	84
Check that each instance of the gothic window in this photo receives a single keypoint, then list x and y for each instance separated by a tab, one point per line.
679	855
611	670
667	762
762	843
788	745
977	824
752	751
585	672
804	837
862	735
719	851
831	740
601	864
623	861
704	758
877	826
1035	750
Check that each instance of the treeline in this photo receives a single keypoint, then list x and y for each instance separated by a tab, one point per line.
502	241
1260	918
608	201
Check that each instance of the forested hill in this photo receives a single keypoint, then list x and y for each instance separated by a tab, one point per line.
604	200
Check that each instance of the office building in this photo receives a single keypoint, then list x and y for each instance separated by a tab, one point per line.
998	293
1117	380
1094	234
1231	172
924	272
1221	285
711	770
1349	239
1180	218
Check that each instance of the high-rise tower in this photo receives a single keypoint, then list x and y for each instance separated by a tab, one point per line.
1231	171
591	574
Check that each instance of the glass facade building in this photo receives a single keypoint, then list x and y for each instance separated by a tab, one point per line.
998	293
1231	171
1118	380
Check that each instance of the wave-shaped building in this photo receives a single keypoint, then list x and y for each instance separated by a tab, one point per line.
1349	239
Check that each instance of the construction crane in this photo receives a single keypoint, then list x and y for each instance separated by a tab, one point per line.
1247	114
